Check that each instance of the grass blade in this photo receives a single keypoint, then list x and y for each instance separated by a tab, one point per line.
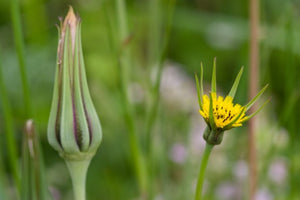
9	132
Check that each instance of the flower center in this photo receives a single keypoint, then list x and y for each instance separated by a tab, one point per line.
224	111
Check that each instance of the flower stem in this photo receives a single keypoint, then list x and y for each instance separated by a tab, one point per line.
204	161
125	68
78	171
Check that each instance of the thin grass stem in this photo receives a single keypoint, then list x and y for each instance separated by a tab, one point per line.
138	159
156	94
153	108
19	44
9	132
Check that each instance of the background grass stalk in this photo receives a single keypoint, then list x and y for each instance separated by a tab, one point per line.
9	133
205	157
253	84
155	90
3	181
155	93
138	159
19	43
34	183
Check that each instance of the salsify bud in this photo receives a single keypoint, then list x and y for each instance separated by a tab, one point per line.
74	128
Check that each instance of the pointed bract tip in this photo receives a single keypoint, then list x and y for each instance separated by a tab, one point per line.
71	13
29	128
267	85
71	17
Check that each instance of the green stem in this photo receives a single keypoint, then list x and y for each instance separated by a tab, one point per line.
125	63
3	182
19	43
152	113
204	162
78	172
155	94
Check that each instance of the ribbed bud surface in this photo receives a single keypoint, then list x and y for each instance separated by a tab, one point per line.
74	128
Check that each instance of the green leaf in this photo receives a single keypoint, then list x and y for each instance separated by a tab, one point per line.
214	79
250	104
236	83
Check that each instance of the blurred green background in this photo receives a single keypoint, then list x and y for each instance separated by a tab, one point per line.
201	30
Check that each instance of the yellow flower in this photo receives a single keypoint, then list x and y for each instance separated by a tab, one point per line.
224	111
222	114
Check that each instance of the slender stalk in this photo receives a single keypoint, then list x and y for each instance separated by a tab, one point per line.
254	68
9	132
78	172
34	185
155	94
205	157
155	90
19	43
290	111
36	27
154	23
138	159
3	182
26	192
153	53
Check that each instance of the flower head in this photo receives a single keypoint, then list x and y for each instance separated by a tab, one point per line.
224	111
73	128
221	113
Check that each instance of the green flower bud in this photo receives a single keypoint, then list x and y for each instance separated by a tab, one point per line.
74	129
213	136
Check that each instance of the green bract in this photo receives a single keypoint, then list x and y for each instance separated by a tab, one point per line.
74	128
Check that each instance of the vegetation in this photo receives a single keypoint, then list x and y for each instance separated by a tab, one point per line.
140	60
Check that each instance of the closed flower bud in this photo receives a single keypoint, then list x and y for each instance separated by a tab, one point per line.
74	128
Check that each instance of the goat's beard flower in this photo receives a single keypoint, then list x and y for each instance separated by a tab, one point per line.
224	111
222	114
